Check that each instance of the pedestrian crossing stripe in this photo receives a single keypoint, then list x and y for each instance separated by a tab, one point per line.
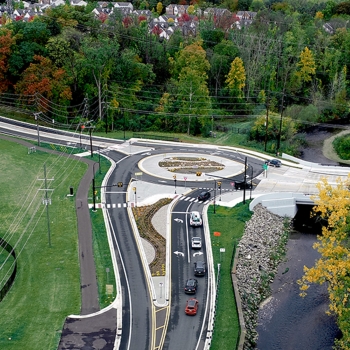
132	204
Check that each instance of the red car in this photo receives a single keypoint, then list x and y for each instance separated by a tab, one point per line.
191	307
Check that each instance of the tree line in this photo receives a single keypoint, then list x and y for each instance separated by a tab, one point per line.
283	72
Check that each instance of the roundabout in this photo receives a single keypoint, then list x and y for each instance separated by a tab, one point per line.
190	166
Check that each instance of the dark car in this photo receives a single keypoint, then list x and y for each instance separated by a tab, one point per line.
239	185
203	196
274	162
191	286
191	307
199	268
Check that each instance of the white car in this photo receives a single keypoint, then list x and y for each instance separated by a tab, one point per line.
196	243
195	219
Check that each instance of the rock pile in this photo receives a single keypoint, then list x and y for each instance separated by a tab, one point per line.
261	249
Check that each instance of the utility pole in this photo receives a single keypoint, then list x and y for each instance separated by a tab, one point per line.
267	121
280	131
47	201
36	116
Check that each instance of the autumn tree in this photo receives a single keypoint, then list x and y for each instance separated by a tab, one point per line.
159	8
44	78
7	41
236	78
333	207
306	65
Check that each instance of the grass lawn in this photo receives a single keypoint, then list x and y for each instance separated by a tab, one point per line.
102	254
230	222
47	285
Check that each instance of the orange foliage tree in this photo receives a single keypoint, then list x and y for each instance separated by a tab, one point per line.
333	205
44	78
6	44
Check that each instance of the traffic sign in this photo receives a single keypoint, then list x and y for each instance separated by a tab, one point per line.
232	184
185	178
265	166
120	184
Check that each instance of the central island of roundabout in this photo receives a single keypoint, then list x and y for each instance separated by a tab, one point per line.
190	166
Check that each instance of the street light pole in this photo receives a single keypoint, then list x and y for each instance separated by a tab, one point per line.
251	183
280	131
37	126
94	188
90	131
219	186
245	179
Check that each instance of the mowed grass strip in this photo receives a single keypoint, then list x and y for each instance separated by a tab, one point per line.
230	222
102	253
47	285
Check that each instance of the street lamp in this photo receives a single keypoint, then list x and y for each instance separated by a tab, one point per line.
175	182
36	116
219	186
245	179
251	183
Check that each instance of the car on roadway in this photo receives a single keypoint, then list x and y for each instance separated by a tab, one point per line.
203	196
199	268
191	286
274	162
239	185
195	219
191	307
196	243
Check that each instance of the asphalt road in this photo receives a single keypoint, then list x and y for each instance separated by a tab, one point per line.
185	332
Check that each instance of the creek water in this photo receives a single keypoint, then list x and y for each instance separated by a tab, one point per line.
287	321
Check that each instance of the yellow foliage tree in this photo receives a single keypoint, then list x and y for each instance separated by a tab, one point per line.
159	8
333	205
236	76
307	65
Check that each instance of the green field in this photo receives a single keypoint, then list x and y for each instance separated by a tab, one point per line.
47	285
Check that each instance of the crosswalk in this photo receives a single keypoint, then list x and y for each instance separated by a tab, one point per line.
132	204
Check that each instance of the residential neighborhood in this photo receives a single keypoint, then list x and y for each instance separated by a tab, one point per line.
181	17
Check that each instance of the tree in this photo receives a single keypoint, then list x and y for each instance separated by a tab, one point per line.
44	78
159	8
333	208
189	69
236	77
98	58
7	41
307	66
